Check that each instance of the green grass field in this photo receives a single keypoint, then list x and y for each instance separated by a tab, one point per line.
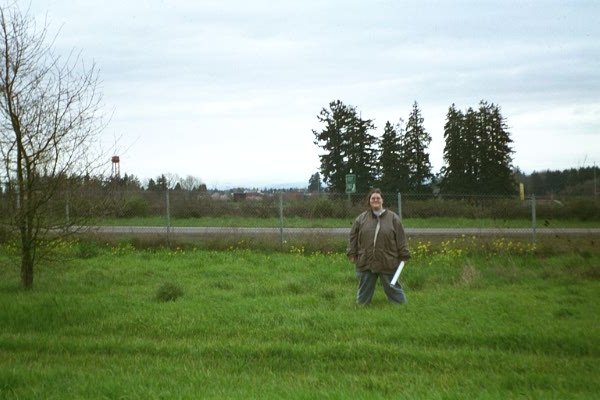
264	325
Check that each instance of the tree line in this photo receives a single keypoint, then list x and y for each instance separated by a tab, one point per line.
477	152
581	181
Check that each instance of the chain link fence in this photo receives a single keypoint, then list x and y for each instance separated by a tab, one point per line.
225	219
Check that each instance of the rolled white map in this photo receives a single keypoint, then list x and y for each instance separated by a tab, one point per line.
397	274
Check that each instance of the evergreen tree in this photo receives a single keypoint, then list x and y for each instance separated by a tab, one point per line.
414	153
477	152
128	182
314	183
332	140
471	153
348	147
570	181
394	174
495	175
161	183
362	153
151	185
456	159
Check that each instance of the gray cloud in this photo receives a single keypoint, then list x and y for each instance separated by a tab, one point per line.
220	72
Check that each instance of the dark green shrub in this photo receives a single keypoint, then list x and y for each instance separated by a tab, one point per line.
328	208
5	233
135	207
323	208
320	207
440	208
510	209
260	209
585	209
197	207
577	208
168	292
87	249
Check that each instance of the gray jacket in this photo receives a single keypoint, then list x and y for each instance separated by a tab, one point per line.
383	254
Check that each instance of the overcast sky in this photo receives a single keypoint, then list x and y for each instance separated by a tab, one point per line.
229	91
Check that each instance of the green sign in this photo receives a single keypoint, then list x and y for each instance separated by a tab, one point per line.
350	183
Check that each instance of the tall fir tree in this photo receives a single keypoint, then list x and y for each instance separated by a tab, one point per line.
362	152
331	139
456	160
415	142
314	183
495	154
471	152
348	147
394	172
477	152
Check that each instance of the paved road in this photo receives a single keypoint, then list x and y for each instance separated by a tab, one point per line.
339	231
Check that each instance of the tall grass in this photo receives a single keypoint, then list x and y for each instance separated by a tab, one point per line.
249	324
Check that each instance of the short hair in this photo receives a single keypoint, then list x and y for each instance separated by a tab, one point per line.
371	193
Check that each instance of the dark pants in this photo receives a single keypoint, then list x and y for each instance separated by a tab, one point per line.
366	287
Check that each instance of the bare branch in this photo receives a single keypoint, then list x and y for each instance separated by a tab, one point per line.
50	121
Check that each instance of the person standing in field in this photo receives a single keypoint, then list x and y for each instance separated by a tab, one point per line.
377	245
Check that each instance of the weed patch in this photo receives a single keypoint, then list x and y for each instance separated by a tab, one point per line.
168	292
469	276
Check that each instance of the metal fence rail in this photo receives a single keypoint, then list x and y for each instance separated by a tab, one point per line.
285	215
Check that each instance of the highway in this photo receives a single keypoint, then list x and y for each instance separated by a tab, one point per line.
141	230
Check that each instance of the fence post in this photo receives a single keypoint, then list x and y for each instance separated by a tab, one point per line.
281	218
533	217
400	206
67	213
168	215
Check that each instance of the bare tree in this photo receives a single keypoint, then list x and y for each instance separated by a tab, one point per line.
191	183
49	128
171	180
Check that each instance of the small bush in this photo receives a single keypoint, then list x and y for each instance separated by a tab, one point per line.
329	208
469	276
135	207
585	210
168	292
329	295
5	234
87	249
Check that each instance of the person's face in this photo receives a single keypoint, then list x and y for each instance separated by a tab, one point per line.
376	201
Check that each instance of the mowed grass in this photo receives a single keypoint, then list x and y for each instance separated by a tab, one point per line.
273	325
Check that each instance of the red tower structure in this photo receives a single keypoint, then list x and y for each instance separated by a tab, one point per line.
116	168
